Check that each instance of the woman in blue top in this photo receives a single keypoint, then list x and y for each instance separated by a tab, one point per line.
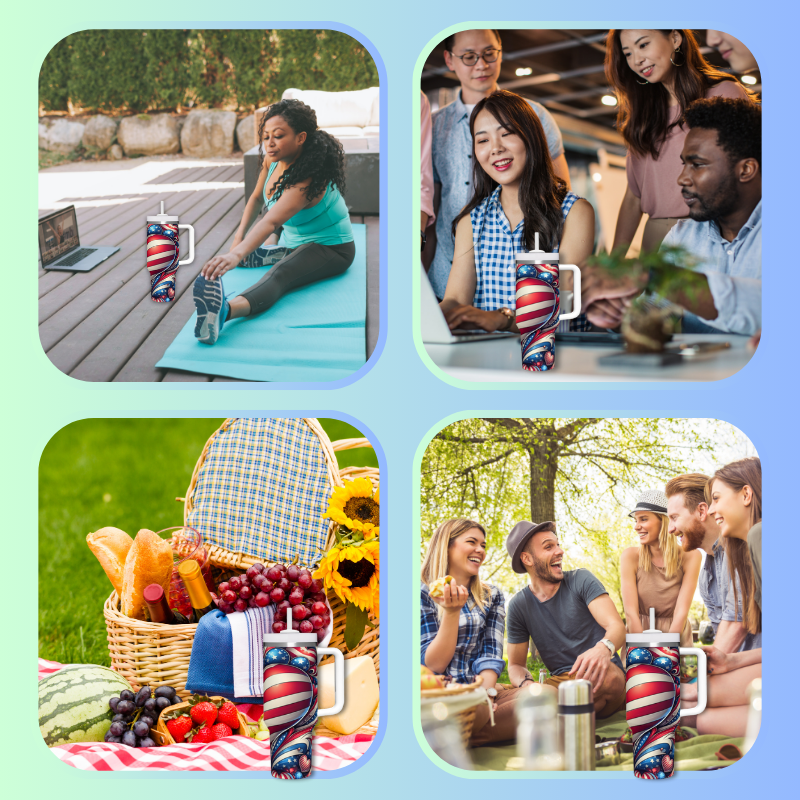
302	185
516	194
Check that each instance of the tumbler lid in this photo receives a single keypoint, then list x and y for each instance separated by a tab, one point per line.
162	217
653	636
536	255
290	636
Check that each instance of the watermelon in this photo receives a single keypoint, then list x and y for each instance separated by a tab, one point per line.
73	703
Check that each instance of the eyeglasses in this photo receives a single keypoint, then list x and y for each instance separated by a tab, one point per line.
490	55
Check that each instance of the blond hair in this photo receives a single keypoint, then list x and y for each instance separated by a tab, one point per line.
673	557
435	564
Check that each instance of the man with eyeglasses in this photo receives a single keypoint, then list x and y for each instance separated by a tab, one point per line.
475	57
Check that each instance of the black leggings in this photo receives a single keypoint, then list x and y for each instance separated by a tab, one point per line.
307	264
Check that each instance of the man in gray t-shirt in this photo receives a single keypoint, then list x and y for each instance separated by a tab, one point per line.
569	616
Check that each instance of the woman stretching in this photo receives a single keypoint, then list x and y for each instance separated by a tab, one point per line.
657	574
302	185
517	195
463	623
656	75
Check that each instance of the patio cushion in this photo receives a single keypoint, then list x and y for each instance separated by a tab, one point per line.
340	109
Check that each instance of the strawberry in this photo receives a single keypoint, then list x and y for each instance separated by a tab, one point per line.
204	713
202	736
179	727
219	730
228	715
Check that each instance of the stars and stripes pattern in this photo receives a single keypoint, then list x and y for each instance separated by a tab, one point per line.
163	252
537	308
232	753
290	708
652	708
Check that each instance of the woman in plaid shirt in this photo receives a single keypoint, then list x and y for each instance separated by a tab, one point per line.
462	630
516	195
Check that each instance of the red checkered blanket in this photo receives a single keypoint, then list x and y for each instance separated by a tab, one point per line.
230	753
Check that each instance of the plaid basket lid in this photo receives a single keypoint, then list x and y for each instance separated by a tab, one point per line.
262	489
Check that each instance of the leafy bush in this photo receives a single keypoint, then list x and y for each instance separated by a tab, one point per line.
166	70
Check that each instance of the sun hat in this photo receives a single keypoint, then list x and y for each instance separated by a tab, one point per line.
518	538
651	500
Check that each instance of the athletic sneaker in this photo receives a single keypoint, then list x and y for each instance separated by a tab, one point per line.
212	309
265	256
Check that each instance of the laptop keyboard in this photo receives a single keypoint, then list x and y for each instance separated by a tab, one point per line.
74	258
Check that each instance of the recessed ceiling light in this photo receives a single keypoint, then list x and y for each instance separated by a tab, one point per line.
524	71
608	100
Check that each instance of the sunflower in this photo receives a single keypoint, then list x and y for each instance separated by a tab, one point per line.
354	506
352	572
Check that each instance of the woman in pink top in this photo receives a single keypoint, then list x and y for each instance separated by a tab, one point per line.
656	74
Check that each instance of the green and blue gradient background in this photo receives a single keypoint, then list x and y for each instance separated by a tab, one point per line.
399	403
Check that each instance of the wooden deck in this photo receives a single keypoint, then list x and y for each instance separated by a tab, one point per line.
102	325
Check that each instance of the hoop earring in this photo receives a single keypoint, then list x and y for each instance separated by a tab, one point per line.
677	50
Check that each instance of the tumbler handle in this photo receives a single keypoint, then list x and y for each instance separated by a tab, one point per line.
576	302
338	674
189	260
702	680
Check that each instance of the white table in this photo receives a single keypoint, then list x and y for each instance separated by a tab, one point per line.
500	360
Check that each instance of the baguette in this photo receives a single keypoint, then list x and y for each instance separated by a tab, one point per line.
111	546
149	561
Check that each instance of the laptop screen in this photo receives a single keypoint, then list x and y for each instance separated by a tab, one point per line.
58	234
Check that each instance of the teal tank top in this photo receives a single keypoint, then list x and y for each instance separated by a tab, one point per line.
327	222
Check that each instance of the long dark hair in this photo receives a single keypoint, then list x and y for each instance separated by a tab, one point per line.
737	475
541	192
322	157
643	117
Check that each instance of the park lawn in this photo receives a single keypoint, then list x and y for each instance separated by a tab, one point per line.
124	473
533	664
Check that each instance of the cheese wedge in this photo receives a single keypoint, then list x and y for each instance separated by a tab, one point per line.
361	694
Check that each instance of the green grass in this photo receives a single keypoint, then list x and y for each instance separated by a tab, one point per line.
51	159
534	665
124	473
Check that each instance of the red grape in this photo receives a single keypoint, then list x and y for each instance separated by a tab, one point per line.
262	599
235	583
268	585
319	597
222	587
229	596
316	622
319	608
285	584
240	605
252	603
305	580
274	574
316	585
259	581
326	621
277	595
278	627
305	626
252	572
225	608
299	612
292	572
296	596
245	592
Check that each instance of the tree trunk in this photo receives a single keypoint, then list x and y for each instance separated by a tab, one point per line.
544	464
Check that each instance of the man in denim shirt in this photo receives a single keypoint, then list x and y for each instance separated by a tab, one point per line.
721	184
452	142
689	519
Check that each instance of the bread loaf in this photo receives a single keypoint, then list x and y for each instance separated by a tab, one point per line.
149	561
111	546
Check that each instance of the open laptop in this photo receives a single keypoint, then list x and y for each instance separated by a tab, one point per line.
434	326
60	245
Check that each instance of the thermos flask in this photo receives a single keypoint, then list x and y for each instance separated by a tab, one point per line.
537	729
290	697
163	251
576	725
653	697
538	302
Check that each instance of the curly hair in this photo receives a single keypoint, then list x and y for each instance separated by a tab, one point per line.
737	123
643	117
541	192
322	157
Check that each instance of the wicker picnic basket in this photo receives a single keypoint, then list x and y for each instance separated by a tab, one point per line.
466	718
146	653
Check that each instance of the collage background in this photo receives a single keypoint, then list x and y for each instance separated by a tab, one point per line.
398	402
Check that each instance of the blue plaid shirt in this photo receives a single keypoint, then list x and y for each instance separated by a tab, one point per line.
480	636
496	247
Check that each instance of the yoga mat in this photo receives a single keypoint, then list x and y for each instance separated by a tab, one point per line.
313	334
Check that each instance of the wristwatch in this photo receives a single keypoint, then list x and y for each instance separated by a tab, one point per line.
509	315
610	645
492	692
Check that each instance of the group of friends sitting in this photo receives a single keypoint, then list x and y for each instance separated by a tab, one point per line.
571	620
494	175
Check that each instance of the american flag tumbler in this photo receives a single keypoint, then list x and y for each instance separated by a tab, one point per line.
290	697
653	697
163	251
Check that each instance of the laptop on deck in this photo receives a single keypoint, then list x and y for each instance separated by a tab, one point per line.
60	246
435	329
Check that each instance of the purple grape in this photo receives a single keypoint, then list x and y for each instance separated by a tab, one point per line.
142	695
126	694
165	691
147	742
112	704
129	739
162	703
125	706
109	737
141	729
117	729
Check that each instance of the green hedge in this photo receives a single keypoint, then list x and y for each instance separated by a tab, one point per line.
167	70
